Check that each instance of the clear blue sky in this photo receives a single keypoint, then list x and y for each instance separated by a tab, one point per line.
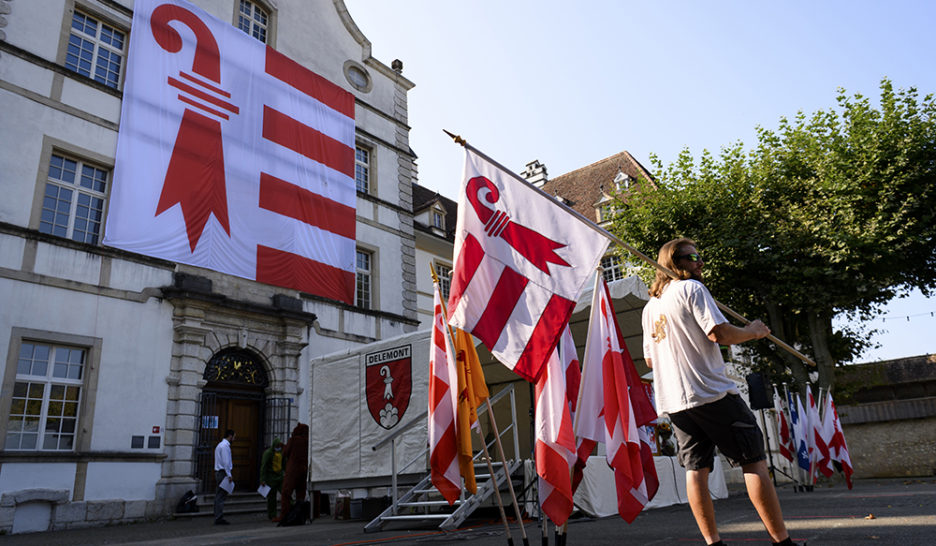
570	83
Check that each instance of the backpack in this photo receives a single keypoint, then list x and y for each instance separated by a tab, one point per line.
297	515
188	503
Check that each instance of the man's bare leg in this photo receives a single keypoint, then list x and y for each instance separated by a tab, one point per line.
701	503
763	496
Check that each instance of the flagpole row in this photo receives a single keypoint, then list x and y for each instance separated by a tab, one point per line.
487	456
617	240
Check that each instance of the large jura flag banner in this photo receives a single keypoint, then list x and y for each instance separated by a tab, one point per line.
521	262
232	157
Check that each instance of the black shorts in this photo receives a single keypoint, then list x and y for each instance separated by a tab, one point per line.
728	424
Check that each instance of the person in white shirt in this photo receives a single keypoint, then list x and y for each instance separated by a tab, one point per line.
223	466
683	329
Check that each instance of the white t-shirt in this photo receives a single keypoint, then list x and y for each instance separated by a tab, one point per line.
688	369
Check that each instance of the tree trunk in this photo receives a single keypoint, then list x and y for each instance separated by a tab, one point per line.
820	328
779	330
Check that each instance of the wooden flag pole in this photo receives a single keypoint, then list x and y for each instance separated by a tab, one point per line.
487	456
616	240
503	459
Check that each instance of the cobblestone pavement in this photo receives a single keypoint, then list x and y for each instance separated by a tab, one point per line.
886	512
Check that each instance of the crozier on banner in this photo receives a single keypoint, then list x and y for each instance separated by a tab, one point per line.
233	157
389	384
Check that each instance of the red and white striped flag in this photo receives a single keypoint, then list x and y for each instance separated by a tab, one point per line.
787	449
443	382
555	444
232	157
837	446
604	412
521	261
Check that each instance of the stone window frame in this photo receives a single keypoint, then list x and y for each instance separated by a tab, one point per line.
92	346
53	146
370	185
371	275
614	267
445	279
102	17
272	16
351	69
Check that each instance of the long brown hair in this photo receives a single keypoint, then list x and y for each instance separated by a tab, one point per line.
667	258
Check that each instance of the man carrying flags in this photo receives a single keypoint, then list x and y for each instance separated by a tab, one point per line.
683	328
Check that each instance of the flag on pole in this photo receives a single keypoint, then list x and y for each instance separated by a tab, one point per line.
783	427
472	391
812	433
798	420
822	433
604	412
555	443
644	415
443	380
837	446
521	261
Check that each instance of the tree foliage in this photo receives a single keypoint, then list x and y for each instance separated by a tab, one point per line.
829	213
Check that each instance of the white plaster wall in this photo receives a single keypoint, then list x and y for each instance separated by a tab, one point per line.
16	476
79	95
360	324
35	26
423	285
19	155
133	276
127	481
11	251
65	263
25	123
135	359
135	352
389	266
16	71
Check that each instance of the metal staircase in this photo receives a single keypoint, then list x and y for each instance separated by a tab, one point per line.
423	503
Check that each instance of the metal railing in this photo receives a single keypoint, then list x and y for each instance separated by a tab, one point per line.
508	393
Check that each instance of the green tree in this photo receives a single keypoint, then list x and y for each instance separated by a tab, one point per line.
829	213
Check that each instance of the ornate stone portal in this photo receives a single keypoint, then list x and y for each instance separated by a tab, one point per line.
207	325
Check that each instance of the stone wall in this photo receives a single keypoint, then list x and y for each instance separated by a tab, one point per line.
35	510
893	449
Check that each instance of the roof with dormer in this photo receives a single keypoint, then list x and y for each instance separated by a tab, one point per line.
584	188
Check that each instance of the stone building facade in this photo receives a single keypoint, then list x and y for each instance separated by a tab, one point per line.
121	370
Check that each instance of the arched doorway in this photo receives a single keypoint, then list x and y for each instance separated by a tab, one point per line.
232	398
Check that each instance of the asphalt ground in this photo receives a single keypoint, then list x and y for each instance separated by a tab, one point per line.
886	512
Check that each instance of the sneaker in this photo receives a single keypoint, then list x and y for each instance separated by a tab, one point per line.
222	521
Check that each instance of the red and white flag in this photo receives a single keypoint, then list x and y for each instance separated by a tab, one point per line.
787	449
521	262
443	403
604	412
813	423
232	157
824	431
837	446
555	443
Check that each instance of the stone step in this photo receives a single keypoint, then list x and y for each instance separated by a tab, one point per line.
238	503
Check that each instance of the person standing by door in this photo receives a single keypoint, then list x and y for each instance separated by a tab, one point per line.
224	464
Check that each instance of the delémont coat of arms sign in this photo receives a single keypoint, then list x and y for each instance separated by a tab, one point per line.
389	384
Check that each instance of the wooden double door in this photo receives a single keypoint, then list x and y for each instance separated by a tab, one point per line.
244	417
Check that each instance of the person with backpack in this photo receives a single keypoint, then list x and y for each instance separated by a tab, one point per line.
271	474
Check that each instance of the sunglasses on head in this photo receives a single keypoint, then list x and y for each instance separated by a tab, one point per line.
691	257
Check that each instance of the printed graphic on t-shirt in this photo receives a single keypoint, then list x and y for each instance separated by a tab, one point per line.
659	330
